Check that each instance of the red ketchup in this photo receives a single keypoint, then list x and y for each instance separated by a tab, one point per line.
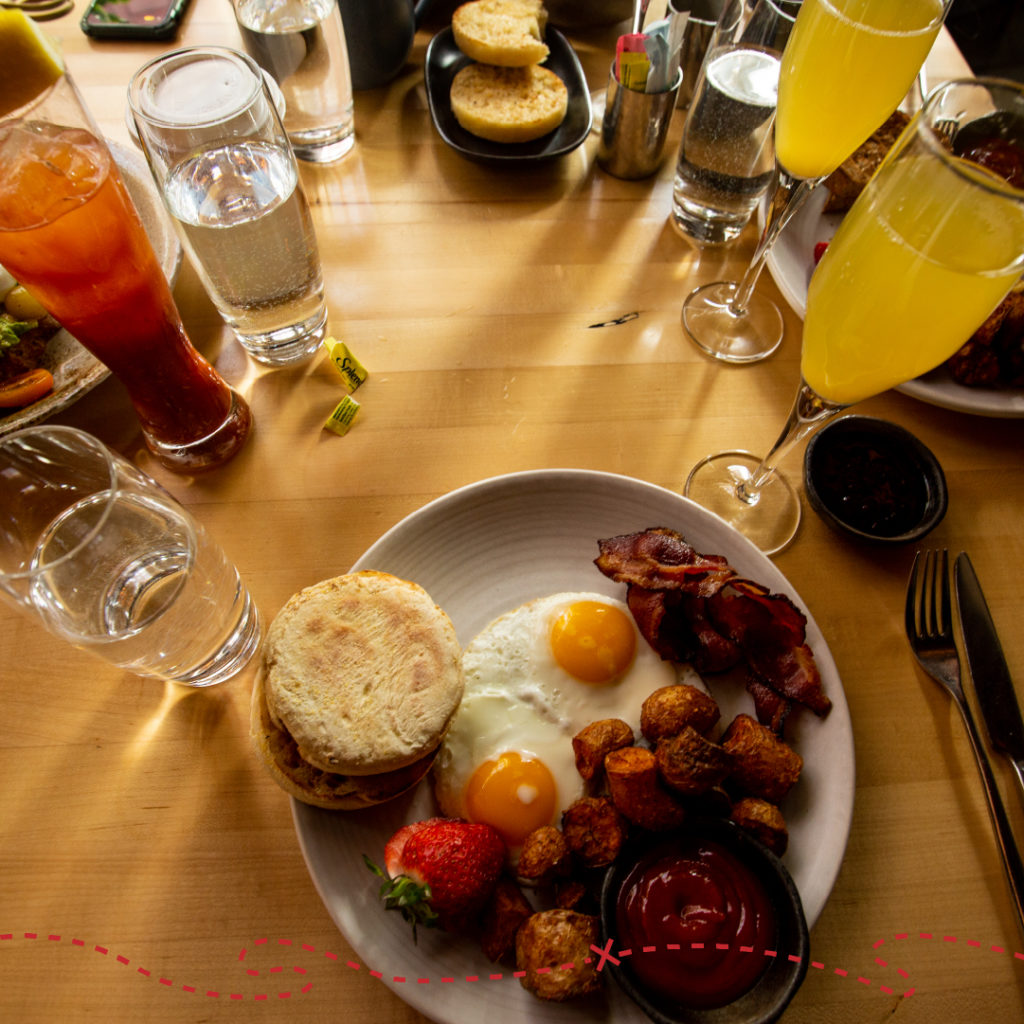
699	894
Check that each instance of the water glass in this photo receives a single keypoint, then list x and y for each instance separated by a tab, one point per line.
110	562
727	157
301	44
222	161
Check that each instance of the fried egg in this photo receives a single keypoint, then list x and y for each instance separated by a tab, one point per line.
533	678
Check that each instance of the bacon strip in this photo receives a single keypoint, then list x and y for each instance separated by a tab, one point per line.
696	608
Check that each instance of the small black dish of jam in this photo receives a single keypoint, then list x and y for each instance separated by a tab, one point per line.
874	480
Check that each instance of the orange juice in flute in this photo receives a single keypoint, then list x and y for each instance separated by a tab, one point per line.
70	233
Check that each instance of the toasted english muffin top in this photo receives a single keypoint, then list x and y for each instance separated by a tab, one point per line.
364	671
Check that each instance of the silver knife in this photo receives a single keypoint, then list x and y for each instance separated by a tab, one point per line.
989	672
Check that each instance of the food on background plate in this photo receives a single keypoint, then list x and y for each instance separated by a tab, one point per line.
993	356
847	181
504	95
360	676
508	104
505	33
25	330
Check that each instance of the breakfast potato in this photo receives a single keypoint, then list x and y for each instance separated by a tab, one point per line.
552	948
572	894
670	709
594	831
595	741
637	791
764	765
690	763
505	911
764	821
545	857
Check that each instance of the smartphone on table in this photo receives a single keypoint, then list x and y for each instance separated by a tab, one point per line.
133	19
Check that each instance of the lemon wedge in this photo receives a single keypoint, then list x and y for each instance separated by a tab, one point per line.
31	62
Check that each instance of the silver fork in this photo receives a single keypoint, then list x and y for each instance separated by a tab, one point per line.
929	627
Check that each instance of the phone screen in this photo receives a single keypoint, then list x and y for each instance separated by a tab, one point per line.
134	18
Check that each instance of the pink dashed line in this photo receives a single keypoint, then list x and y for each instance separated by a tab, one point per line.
603	956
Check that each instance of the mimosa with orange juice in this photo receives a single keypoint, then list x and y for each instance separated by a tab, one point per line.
845	69
917	265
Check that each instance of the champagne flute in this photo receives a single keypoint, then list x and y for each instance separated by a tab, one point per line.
847	65
926	253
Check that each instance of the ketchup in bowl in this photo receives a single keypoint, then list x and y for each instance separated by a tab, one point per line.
708	917
705	923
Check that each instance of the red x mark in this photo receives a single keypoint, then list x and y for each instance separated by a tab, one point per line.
604	954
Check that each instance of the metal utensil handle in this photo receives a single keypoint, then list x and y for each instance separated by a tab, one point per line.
1012	862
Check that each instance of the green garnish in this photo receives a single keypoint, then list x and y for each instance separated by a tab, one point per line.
11	331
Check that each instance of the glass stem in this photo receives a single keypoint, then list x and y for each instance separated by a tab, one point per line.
789	195
809	411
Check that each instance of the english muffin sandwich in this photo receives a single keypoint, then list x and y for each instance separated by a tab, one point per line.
360	676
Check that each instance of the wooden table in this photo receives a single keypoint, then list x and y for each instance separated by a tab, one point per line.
142	847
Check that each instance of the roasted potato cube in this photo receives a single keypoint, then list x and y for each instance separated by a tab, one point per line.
691	764
593	742
552	948
764	765
505	911
764	821
545	856
594	830
637	791
572	894
670	709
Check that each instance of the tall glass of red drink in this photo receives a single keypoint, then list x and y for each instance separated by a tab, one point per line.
70	233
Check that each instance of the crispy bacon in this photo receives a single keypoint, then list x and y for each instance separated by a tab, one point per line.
696	608
659	559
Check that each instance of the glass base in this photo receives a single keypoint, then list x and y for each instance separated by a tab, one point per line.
234	655
704	224
287	345
727	335
770	520
323	145
210	451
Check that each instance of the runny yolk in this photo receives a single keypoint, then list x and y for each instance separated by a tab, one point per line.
593	642
512	794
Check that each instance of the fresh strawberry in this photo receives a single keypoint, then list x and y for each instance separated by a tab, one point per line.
819	251
440	871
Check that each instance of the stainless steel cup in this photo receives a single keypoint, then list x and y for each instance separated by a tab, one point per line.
634	128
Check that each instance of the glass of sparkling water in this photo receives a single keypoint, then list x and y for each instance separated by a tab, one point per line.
301	44
221	158
727	155
109	561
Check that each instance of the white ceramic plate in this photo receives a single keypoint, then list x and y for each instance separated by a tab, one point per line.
76	371
483	550
791	263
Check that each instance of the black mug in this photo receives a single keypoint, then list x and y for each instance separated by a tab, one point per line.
379	35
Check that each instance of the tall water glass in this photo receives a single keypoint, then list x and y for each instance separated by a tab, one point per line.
301	44
110	562
69	232
925	254
727	157
223	164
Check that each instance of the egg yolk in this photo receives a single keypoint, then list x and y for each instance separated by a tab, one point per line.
593	642
512	794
